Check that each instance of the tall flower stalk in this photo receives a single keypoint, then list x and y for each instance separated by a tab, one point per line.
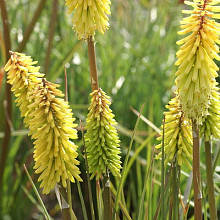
176	143
209	129
101	137
196	74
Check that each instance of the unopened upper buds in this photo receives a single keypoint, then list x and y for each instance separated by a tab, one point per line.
177	135
211	123
102	142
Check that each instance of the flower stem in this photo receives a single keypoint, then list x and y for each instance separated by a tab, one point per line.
67	211
175	190
210	183
162	175
107	197
92	63
7	130
87	175
196	173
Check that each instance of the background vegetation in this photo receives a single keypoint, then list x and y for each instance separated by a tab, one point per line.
136	65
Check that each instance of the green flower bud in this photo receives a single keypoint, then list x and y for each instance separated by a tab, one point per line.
102	142
177	135
211	123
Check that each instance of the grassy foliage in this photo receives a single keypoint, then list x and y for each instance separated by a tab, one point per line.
136	65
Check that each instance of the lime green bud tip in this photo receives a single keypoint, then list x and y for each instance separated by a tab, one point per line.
177	135
102	141
211	123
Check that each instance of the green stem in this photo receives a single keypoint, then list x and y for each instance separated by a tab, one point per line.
69	197
67	211
210	183
92	64
31	25
175	190
87	175
162	175
141	208
8	109
107	197
82	201
37	194
99	200
196	173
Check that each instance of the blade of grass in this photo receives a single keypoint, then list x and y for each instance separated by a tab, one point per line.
37	194
82	201
58	68
160	199
125	164
87	175
210	182
128	133
162	174
67	211
32	199
136	153
31	26
122	207
51	34
141	208
7	130
146	120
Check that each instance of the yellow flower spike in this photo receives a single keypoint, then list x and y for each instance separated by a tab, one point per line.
89	16
211	123
51	125
177	135
21	75
197	70
102	140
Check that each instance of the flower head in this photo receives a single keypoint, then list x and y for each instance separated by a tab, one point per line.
177	135
21	75
102	137
197	70
51	125
89	16
211	123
